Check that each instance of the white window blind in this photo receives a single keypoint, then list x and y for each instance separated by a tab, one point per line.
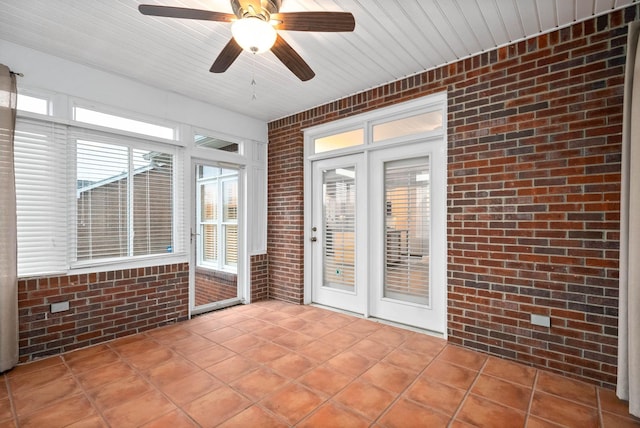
407	229
124	200
41	196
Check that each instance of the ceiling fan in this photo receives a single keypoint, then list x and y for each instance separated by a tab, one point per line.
254	25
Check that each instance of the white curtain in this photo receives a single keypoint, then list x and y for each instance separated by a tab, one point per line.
629	313
8	247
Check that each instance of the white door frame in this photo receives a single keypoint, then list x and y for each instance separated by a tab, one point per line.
366	122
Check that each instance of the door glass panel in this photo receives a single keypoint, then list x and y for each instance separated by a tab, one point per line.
407	226
339	221
411	125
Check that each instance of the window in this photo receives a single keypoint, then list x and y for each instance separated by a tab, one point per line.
217	212
85	197
124	200
33	104
216	144
93	117
339	141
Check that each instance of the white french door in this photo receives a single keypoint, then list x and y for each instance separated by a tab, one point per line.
407	235
378	237
338	227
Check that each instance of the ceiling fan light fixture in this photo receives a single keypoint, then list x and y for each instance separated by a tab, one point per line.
254	34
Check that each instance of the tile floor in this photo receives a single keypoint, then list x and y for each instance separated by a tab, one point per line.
272	364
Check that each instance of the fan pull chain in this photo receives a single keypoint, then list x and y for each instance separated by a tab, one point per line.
253	78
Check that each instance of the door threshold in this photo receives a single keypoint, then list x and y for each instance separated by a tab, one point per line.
382	321
215	306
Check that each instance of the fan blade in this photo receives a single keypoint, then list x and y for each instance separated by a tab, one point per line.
229	54
292	60
181	12
314	21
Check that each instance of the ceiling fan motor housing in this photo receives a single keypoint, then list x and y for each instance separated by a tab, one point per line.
262	9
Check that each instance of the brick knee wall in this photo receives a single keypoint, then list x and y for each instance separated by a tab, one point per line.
534	148
259	277
102	307
214	286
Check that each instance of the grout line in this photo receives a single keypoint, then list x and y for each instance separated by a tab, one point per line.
464	399
533	392
14	411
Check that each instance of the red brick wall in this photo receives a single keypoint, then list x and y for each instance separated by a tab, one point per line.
534	134
214	286
259	277
103	306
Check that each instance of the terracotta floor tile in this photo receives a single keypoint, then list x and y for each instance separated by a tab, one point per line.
37	379
170	334
325	379
340	339
241	343
390	336
273	316
332	415
105	375
611	420
139	410
562	411
60	414
372	349
610	402
315	329
171	371
135	346
254	416
450	374
510	371
462	357
95	421
336	320
85	352
251	325
293	402
118	392
223	334
259	383
503	392
363	327
350	363
291	365
366	399
232	368
213	408
405	414
8	424
265	353
315	314
210	356
424	344
407	360
293	323
5	409
174	419
101	359
270	332
146	359
320	351
484	413
191	387
388	377
191	345
4	393
29	400
566	388
293	340
446	399
535	422
203	325
34	366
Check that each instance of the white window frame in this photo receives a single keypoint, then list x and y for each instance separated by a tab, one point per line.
220	263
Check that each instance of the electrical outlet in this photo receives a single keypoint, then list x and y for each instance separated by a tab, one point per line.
59	307
541	320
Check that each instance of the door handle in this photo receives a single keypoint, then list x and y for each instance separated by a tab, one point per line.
314	239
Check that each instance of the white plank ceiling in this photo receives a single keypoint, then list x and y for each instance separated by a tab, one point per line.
392	39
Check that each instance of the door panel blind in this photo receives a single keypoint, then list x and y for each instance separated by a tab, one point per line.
407	226
41	197
339	213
